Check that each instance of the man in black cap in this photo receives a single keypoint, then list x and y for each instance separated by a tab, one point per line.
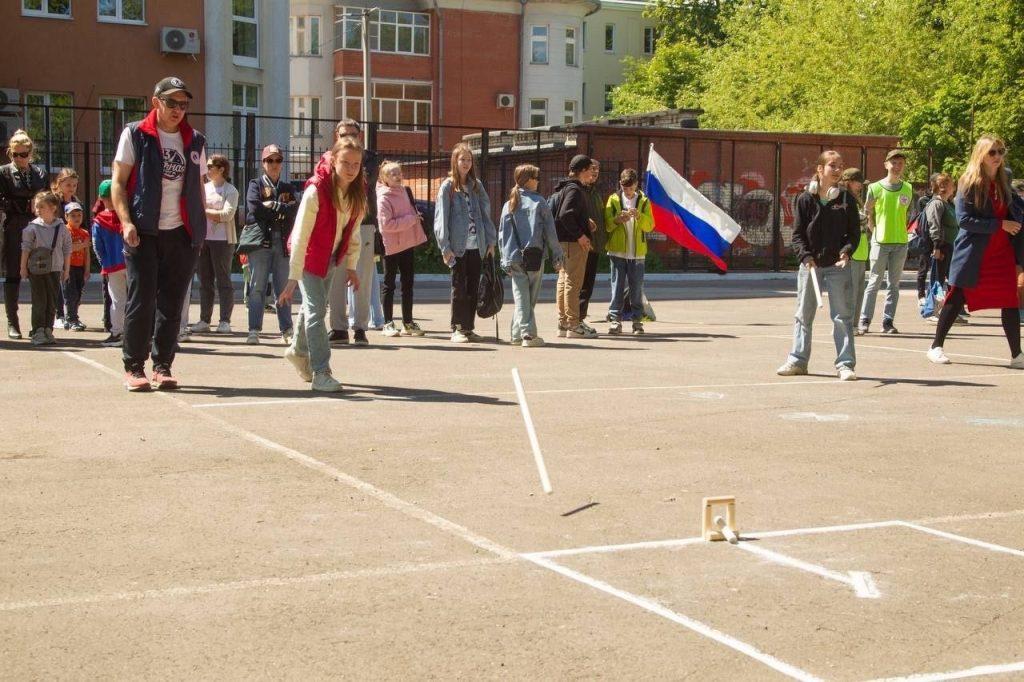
159	197
572	223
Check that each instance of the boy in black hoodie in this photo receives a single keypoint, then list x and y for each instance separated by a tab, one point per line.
572	223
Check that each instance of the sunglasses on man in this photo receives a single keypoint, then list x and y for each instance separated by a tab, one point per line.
172	103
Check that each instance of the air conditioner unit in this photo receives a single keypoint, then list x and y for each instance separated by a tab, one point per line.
506	101
9	98
179	40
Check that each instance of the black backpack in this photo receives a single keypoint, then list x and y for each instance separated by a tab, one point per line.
919	241
491	294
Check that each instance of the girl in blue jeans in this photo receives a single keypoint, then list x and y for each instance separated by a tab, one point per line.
526	225
826	232
325	236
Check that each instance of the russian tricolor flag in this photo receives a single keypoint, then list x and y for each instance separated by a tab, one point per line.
686	215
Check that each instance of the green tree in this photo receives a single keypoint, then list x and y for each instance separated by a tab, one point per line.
672	78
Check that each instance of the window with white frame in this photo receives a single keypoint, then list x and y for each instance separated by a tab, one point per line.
46	8
245	99
570	47
57	140
538	44
396	105
115	113
127	11
538	112
304	36
608	97
245	32
390	31
569	116
305	110
650	39
609	37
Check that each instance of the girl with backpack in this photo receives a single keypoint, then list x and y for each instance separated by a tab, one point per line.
401	230
525	228
826	232
325	237
465	234
987	250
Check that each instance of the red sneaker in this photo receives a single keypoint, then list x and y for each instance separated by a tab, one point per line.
162	379
135	381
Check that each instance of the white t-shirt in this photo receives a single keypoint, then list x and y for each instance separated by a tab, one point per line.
174	172
216	232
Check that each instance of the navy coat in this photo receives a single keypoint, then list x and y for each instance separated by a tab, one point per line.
977	225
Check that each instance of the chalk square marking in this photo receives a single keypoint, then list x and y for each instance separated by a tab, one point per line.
859	580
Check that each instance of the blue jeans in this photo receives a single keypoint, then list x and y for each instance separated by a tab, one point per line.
857	270
360	306
376	309
632	271
311	332
838	283
525	292
888	259
264	265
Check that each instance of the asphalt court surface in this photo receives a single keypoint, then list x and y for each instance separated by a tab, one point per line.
245	527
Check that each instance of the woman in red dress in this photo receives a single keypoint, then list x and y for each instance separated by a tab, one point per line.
987	250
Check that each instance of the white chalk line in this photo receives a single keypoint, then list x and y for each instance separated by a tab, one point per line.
255	583
964	539
683	542
977	671
979	516
538	458
689	623
387	499
861	581
859	344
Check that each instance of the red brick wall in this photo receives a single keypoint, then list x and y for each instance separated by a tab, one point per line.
92	59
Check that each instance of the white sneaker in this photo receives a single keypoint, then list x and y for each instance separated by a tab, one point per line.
615	328
459	337
937	356
791	369
224	327
1017	362
412	329
847	374
532	341
562	332
391	330
199	327
253	339
323	381
934	319
300	363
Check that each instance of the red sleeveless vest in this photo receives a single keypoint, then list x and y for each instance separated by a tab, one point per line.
321	241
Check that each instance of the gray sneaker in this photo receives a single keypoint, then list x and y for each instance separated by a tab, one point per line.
791	369
581	331
49	337
38	338
200	327
253	339
323	381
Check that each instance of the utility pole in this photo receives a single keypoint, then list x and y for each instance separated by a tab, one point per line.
367	85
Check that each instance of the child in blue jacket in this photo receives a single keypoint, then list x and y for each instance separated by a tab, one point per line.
109	247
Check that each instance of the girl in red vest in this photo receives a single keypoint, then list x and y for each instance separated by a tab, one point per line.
324	238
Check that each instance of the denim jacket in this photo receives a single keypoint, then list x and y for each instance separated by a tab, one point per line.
534	225
451	219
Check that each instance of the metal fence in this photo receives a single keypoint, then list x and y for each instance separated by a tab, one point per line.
755	177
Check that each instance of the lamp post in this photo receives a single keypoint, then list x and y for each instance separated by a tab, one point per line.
367	92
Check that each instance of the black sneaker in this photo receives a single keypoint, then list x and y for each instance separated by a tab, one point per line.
360	338
112	341
338	337
889	329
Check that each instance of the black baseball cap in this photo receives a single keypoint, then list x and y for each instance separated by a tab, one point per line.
169	86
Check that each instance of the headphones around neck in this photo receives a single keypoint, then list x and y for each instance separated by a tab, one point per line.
831	195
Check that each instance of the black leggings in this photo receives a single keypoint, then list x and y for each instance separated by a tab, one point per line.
952	306
398	263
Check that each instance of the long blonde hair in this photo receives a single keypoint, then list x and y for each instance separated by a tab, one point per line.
386	168
974	184
355	195
20	139
524	173
64	174
457	151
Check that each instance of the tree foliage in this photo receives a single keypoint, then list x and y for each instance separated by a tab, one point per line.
936	72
